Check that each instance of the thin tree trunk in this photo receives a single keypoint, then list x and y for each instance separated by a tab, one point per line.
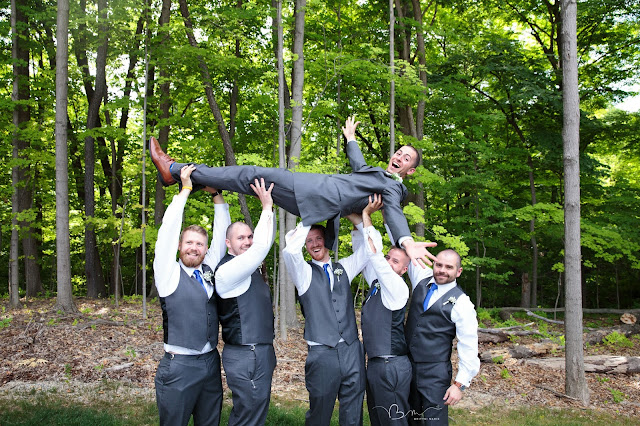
533	300
22	182
64	300
575	381
297	92
93	267
165	106
229	155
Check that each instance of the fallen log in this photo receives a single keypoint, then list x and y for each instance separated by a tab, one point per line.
531	314
492	337
607	364
585	310
519	351
597	336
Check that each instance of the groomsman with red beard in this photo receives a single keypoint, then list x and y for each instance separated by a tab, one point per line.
188	378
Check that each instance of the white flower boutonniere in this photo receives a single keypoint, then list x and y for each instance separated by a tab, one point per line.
207	276
338	272
396	177
451	300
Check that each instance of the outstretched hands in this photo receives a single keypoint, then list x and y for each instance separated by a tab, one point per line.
263	193
418	252
349	129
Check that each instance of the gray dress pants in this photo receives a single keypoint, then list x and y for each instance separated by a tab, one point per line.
189	384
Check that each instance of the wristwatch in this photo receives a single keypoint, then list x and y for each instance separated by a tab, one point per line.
460	386
218	192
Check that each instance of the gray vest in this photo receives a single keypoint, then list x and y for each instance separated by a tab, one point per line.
329	315
189	319
382	329
430	333
247	318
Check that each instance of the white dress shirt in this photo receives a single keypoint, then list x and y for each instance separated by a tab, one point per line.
463	314
234	277
393	290
166	269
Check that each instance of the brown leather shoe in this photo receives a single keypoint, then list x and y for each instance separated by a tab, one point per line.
162	162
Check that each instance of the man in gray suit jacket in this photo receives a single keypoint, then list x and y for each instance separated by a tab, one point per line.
300	194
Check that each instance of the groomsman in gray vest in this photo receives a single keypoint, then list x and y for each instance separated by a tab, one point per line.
318	197
383	311
335	361
188	376
439	312
246	315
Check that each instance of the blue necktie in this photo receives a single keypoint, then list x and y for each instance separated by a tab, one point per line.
432	288
196	274
326	271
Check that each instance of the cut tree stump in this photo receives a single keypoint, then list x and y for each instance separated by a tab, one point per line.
607	364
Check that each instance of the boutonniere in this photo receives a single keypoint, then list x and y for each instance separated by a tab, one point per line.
338	272
451	300
396	177
207	276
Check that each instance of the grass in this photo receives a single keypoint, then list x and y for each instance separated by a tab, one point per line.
536	416
55	410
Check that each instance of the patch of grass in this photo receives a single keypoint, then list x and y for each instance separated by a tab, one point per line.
533	416
138	411
53	411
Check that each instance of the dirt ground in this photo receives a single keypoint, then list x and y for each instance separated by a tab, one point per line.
107	349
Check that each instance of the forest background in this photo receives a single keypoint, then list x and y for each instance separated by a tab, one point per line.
476	85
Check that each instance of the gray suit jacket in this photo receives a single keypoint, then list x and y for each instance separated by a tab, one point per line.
334	196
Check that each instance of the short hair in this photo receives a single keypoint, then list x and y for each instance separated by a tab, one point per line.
321	228
403	252
233	226
418	158
197	229
455	253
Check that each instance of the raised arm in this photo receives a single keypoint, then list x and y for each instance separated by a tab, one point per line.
165	266
356	159
299	271
234	277
221	221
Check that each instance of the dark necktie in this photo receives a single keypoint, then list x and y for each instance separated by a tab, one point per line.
432	288
196	274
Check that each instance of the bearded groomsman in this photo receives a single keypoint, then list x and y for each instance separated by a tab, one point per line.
188	377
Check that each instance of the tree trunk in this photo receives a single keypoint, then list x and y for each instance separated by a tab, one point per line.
64	300
525	293
575	382
93	267
163	132
22	181
533	301
297	92
229	156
